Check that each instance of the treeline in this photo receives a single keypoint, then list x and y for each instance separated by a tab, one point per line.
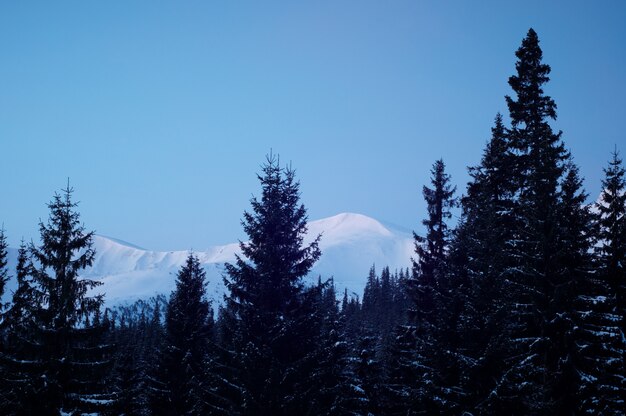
517	308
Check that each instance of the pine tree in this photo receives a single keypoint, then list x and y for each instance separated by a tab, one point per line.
62	363
272	313
188	327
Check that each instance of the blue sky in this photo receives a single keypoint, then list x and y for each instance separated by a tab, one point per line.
161	112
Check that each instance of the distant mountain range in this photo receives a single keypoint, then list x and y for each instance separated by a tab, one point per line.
350	244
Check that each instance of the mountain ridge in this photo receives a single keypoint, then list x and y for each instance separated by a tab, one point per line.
350	244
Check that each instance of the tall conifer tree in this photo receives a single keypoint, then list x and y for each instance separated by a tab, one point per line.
417	380
480	259
61	364
539	309
4	272
575	282
606	305
272	312
612	210
188	326
17	317
4	277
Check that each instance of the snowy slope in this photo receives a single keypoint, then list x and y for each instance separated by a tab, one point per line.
350	244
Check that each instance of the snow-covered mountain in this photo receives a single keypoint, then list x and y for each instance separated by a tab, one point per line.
350	244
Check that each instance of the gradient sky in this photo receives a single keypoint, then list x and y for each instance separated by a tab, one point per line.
162	112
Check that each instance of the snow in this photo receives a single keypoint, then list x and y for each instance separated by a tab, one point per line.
350	244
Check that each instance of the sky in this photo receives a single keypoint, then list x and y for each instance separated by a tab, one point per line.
161	113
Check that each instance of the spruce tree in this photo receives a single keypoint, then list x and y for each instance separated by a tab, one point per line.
188	326
272	313
606	309
432	250
371	299
339	390
138	334
22	300
390	317
570	339
382	312
4	272
4	276
612	252
480	259
538	309
420	378
18	317
351	316
62	362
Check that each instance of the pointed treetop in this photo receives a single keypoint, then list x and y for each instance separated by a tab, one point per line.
66	249
531	106
614	183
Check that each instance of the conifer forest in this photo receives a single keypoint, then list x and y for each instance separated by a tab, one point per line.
516	308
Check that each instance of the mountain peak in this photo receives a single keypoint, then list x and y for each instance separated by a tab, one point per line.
347	225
